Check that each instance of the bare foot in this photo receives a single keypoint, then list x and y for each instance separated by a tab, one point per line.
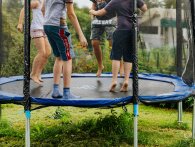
113	86
124	87
99	72
36	80
40	80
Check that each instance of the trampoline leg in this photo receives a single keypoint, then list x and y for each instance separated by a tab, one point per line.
27	133
193	120
180	111
135	125
0	111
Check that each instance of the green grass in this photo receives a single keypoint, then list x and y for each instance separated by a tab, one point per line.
70	126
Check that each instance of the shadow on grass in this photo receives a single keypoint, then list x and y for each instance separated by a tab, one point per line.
109	130
176	125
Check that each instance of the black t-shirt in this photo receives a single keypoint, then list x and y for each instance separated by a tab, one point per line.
124	11
100	5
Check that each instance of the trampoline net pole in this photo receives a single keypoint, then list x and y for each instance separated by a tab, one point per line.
1	44
188	75
26	86
1	35
193	24
135	74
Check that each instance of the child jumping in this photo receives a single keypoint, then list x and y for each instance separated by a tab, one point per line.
122	37
39	37
58	38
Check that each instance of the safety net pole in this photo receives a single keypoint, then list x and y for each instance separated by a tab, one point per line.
193	25
26	87
1	40
135	75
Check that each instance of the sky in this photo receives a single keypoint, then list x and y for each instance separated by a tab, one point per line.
83	3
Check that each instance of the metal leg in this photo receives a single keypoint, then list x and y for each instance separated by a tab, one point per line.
0	111
193	120
180	112
135	107
27	133
135	131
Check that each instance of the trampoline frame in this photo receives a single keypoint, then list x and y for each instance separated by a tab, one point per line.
181	91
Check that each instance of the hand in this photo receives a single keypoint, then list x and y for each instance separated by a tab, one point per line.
92	12
20	28
83	41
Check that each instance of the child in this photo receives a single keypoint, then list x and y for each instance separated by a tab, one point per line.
39	38
58	38
122	37
97	30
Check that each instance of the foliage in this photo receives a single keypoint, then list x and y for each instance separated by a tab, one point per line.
7	130
162	3
153	61
185	143
113	128
97	127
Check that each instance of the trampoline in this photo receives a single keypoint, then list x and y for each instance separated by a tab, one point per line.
94	91
152	88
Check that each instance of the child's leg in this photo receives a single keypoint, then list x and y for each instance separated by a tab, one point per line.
57	70
115	69
47	53
127	70
39	59
121	71
98	54
67	71
121	68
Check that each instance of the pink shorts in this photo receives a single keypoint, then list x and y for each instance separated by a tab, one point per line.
37	33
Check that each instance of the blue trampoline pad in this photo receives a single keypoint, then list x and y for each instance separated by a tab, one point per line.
94	91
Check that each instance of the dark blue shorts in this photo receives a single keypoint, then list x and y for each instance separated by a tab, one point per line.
58	39
122	46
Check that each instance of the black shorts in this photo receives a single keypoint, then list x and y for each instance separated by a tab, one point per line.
122	47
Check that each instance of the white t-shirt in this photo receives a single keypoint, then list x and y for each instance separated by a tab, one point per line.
37	19
54	10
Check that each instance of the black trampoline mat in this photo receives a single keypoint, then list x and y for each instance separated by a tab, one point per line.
90	87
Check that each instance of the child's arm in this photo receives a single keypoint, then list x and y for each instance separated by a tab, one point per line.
20	21
93	7
43	7
73	19
100	12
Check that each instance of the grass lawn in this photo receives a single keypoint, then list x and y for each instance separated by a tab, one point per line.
70	126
